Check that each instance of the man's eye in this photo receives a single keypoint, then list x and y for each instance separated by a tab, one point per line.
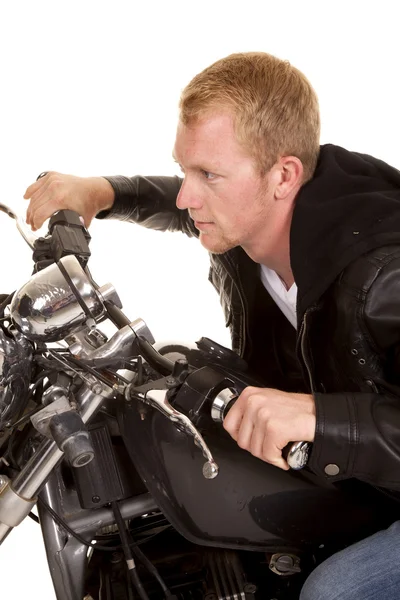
207	174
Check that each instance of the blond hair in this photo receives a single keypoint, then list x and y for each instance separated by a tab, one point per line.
274	106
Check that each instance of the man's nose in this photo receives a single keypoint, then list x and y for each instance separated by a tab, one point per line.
188	196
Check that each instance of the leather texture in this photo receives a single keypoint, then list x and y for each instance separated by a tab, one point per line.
347	347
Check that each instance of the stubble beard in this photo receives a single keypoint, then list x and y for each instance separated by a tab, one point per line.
219	246
223	243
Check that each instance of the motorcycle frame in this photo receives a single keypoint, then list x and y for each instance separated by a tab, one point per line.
67	557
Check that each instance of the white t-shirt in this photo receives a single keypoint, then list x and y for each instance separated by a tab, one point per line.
285	299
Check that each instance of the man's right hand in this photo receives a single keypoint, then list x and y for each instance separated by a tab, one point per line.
55	191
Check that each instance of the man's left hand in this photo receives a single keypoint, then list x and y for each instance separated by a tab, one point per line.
263	421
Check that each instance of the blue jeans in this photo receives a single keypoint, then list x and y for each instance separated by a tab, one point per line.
368	570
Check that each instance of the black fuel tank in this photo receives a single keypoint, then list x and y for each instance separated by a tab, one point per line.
250	504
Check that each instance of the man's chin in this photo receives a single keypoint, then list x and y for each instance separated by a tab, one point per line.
213	245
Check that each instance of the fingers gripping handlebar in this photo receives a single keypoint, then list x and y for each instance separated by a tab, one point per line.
295	453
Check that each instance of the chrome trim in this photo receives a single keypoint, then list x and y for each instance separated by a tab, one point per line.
140	328
220	403
115	351
13	507
108	293
298	454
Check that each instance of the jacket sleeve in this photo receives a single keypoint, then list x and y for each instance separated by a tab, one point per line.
358	434
149	201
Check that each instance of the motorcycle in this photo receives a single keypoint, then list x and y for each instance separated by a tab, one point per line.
119	442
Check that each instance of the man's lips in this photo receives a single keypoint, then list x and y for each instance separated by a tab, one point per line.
202	224
198	223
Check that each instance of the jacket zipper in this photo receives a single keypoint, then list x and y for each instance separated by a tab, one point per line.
244	318
302	339
234	273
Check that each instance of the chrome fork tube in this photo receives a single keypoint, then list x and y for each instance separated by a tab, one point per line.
28	482
33	476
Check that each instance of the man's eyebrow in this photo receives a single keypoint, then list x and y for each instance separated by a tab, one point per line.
196	166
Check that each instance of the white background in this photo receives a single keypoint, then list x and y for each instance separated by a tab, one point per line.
91	88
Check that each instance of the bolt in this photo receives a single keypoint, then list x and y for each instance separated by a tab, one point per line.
116	557
96	499
250	588
210	469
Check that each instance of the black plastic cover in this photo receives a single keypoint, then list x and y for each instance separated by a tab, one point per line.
105	478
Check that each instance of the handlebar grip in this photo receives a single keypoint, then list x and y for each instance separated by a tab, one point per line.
295	453
229	406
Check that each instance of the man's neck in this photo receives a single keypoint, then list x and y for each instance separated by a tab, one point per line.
275	255
281	266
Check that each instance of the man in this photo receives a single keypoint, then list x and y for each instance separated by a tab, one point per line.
301	237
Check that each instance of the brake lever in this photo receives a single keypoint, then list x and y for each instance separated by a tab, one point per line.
295	453
22	227
158	399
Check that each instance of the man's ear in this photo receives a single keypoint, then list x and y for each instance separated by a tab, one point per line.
288	176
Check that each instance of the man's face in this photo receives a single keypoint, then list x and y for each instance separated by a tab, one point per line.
227	199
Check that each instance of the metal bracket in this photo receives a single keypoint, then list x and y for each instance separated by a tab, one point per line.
41	419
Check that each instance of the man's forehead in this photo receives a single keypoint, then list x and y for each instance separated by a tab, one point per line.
208	124
213	135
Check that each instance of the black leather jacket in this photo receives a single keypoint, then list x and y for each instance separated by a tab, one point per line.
347	347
